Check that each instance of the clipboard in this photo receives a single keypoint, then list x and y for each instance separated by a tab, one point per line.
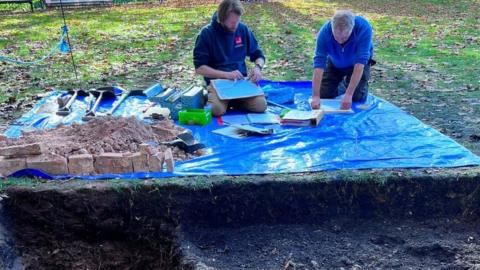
227	89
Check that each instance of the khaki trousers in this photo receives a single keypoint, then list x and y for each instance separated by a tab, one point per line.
256	104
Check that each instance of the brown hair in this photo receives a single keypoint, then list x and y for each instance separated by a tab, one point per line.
228	6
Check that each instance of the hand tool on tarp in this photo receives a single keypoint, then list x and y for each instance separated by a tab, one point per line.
149	92
65	110
125	94
99	93
186	142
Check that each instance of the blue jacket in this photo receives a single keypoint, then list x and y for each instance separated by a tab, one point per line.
357	49
223	50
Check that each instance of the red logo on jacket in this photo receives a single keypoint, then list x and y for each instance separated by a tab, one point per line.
238	40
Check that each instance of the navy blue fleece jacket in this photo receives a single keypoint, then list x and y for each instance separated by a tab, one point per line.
224	50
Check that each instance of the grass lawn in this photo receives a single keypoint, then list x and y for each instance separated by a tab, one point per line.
428	55
428	52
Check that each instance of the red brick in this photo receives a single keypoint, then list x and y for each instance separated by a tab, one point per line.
139	162
21	150
113	163
49	163
81	164
9	166
169	162
145	148
155	162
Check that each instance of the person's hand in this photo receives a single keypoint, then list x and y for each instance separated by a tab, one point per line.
255	74
233	75
346	102
315	103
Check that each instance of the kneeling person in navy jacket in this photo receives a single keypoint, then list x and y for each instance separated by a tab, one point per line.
220	52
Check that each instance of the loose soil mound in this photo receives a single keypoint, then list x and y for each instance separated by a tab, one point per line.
104	135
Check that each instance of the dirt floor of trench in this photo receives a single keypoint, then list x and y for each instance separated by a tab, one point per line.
255	222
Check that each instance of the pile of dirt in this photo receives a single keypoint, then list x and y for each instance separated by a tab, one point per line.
104	135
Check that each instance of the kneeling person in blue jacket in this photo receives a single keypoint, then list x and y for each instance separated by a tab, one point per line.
220	52
342	61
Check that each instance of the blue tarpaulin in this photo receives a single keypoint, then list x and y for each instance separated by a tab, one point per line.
381	136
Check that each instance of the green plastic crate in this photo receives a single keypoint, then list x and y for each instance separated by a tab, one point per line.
195	117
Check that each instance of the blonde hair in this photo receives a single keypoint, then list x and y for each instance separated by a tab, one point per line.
227	6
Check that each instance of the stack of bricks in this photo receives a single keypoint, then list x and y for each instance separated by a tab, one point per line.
18	157
146	160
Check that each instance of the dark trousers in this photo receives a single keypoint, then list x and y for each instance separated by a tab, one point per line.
335	82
